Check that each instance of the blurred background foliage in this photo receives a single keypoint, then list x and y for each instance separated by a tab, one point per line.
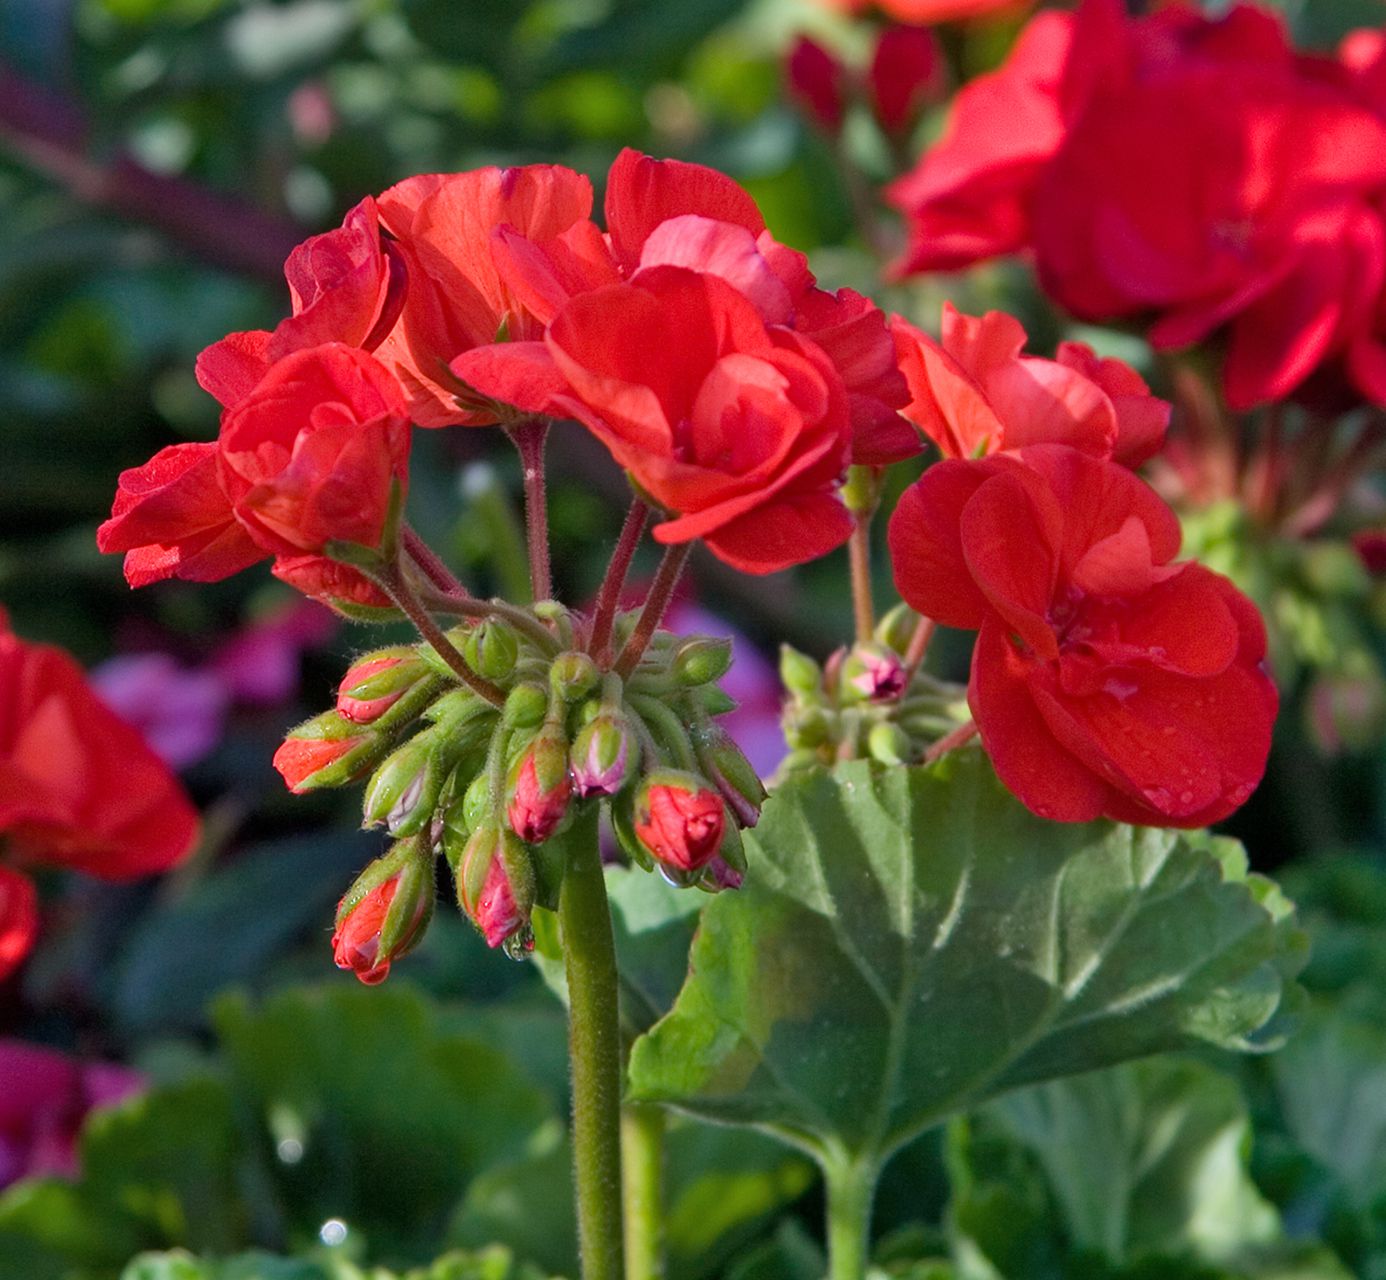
158	159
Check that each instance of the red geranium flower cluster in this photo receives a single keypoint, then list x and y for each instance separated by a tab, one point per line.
79	788
1196	172
1107	678
700	350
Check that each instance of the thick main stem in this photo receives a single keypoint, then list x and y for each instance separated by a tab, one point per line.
851	1184
610	594
652	613
594	1047
642	1166
529	437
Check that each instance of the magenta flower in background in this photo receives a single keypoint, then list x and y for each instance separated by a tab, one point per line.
260	663
179	710
45	1096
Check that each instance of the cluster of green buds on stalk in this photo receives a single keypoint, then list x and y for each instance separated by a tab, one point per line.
872	700
490	788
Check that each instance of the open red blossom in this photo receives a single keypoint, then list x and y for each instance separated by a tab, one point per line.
461	296
79	788
173	519
975	394
1107	680
738	429
346	285
312	454
663	213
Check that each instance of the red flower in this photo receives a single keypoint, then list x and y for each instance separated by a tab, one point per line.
312	454
346	285
932	11
79	788
679	820
662	213
740	430
460	296
969	196
975	394
1106	679
173	520
1221	198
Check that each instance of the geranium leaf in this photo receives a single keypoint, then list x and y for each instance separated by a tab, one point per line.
913	942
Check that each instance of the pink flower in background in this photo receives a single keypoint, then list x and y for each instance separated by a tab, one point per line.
44	1098
260	663
179	710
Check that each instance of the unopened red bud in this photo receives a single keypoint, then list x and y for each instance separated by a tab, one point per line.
817	81
907	73
540	787
725	765
377	681
491	649
384	914
679	819
702	660
495	883
872	673
326	751
601	756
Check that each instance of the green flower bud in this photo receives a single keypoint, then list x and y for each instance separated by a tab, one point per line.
725	764
806	727
573	676
701	660
800	673
896	628
491	648
403	792
888	743
526	706
871	673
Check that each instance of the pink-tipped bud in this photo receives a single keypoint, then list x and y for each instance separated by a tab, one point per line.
600	759
540	787
873	673
376	682
817	82
679	819
384	913
907	73
726	765
495	883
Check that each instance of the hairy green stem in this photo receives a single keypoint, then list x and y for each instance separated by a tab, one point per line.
464	606
851	1186
594	1046
642	1152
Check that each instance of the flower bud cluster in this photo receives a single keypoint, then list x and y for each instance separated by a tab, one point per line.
487	787
865	702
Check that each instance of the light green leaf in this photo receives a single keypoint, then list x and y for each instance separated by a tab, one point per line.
913	942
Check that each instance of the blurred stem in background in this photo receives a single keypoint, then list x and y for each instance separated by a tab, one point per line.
642	1167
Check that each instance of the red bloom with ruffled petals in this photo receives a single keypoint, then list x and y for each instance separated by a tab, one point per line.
975	394
1107	680
312	454
740	430
669	213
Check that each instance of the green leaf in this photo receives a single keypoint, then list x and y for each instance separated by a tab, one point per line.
493	1263
1145	1157
377	1115
913	942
